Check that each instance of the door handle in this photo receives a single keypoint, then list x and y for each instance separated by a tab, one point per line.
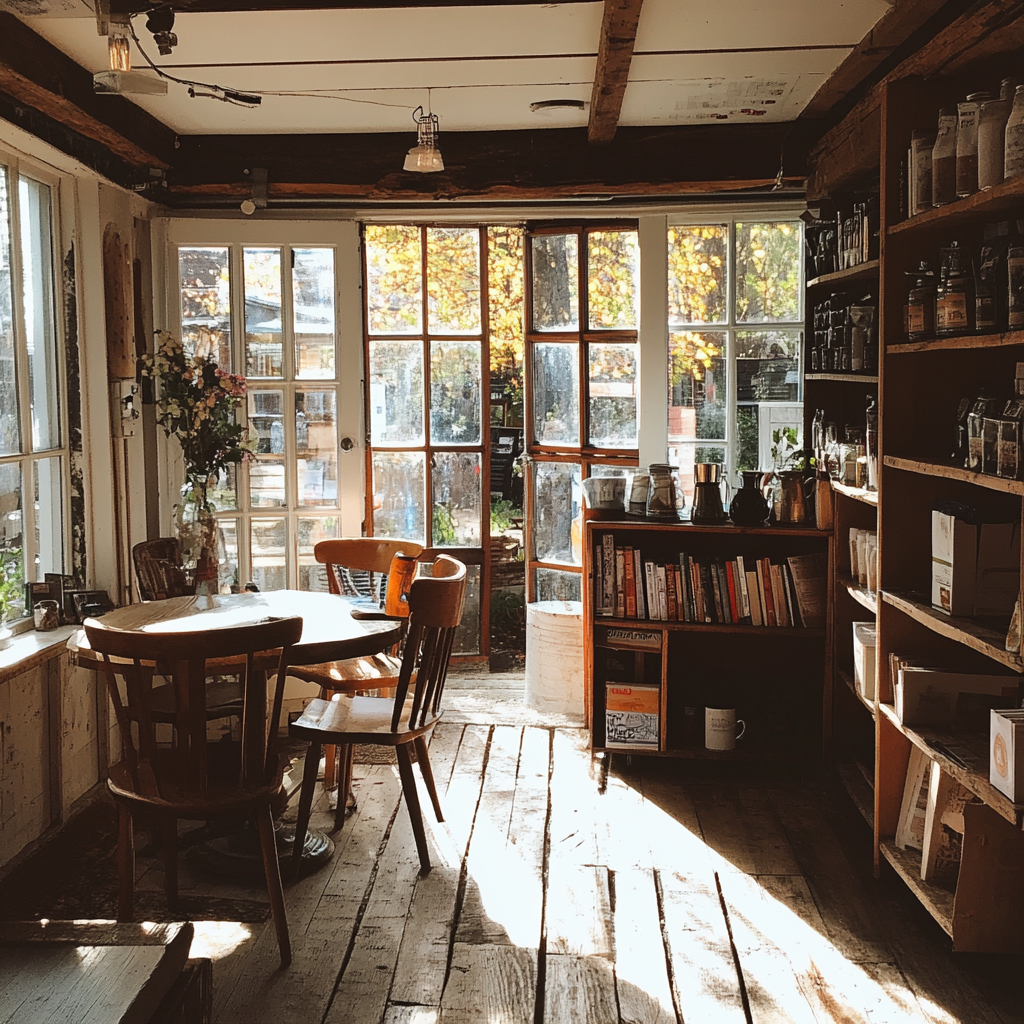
347	444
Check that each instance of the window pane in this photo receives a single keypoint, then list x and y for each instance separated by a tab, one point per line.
396	392
40	313
467	634
227	574
264	352
556	283
456	499
316	444
394	273
685	455
204	275
12	545
399	495
313	575
453	280
313	312
47	489
612	395
768	271
10	429
223	495
269	565
506	288
613	280
455	392
768	393
697	399
556	585
557	508
697	285
266	473
556	394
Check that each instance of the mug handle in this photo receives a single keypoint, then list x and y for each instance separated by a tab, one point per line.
743	728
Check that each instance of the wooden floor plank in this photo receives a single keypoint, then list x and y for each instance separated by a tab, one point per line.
402	1014
578	913
579	989
623	840
489	983
707	987
641	966
530	801
574	783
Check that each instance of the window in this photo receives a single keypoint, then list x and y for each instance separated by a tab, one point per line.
270	310
582	386
33	452
735	321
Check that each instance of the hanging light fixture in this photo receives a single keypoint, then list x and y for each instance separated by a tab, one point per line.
117	44
424	157
120	79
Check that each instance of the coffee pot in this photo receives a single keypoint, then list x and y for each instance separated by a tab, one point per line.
707	494
791	497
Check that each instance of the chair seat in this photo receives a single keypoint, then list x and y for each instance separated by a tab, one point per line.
222	795
356	720
376	672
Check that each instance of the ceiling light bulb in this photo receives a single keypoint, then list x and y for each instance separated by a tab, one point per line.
118	48
424	157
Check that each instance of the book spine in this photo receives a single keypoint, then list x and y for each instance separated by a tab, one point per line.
642	609
788	591
662	585
755	599
716	590
651	590
670	591
741	582
608	561
766	589
598	583
707	592
630	587
778	598
680	592
730	579
620	583
684	584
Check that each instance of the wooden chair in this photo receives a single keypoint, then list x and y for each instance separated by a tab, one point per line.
193	778
158	569
435	610
368	568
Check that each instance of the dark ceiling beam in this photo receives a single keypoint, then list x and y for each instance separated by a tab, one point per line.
37	74
236	6
614	56
529	165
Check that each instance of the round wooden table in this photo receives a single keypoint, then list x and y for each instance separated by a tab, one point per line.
332	630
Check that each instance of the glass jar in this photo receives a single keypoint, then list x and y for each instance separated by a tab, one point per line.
1015	273
992	120
662	498
921	146
967	143
1013	150
944	159
920	316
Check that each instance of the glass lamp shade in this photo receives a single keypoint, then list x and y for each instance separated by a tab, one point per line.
425	159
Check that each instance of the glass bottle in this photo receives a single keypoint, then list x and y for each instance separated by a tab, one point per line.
954	300
1013	150
871	441
1015	275
921	145
944	159
967	143
920	310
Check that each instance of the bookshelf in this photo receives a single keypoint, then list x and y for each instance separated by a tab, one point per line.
772	675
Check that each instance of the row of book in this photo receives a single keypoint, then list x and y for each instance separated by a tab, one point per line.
740	590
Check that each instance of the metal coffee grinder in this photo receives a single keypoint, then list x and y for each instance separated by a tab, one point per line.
707	494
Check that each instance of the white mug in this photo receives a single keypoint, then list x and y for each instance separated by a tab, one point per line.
720	728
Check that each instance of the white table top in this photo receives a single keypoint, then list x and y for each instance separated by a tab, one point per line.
329	630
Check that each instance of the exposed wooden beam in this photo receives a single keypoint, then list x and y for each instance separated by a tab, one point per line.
847	156
511	165
234	6
36	73
614	56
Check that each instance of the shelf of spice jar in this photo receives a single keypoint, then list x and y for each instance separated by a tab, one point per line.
952	471
861	272
850	378
963	341
1003	198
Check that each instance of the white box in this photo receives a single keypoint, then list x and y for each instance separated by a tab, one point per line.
954	564
997	583
1006	752
864	658
928	696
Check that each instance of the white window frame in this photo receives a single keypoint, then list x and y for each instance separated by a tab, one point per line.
701	216
27	458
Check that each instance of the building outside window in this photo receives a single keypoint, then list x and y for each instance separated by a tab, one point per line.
33	436
735	321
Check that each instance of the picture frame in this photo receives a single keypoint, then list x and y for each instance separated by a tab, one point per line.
64	585
90	604
39	592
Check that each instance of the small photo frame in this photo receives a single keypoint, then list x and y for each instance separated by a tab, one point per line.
39	592
90	604
64	585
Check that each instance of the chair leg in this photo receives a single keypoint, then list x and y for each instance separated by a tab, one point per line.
330	766
412	801
345	753
309	774
428	774
272	869
169	842
125	866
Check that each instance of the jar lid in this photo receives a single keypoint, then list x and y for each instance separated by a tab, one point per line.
1019	88
977	97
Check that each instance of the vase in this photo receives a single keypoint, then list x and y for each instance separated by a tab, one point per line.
199	535
749	507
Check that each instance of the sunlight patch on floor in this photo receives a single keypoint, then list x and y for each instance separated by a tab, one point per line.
218	939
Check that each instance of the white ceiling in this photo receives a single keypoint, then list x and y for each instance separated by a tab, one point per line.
365	71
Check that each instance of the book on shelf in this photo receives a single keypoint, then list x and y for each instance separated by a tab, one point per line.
810	583
914	808
713	590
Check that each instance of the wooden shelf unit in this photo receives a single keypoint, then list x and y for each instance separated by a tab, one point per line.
758	670
856	493
957	343
862	272
844	378
951	471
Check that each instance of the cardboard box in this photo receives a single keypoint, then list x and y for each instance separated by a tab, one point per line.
864	658
938	698
631	715
1006	753
997	582
954	564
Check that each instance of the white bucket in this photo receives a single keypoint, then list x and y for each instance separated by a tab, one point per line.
554	656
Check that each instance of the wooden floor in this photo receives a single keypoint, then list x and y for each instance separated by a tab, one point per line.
569	890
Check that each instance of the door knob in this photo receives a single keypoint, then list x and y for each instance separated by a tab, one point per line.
347	444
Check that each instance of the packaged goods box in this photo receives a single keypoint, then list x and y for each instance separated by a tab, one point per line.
975	569
1006	753
941	699
864	658
631	715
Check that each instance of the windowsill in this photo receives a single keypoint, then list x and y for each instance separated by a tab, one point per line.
24	650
